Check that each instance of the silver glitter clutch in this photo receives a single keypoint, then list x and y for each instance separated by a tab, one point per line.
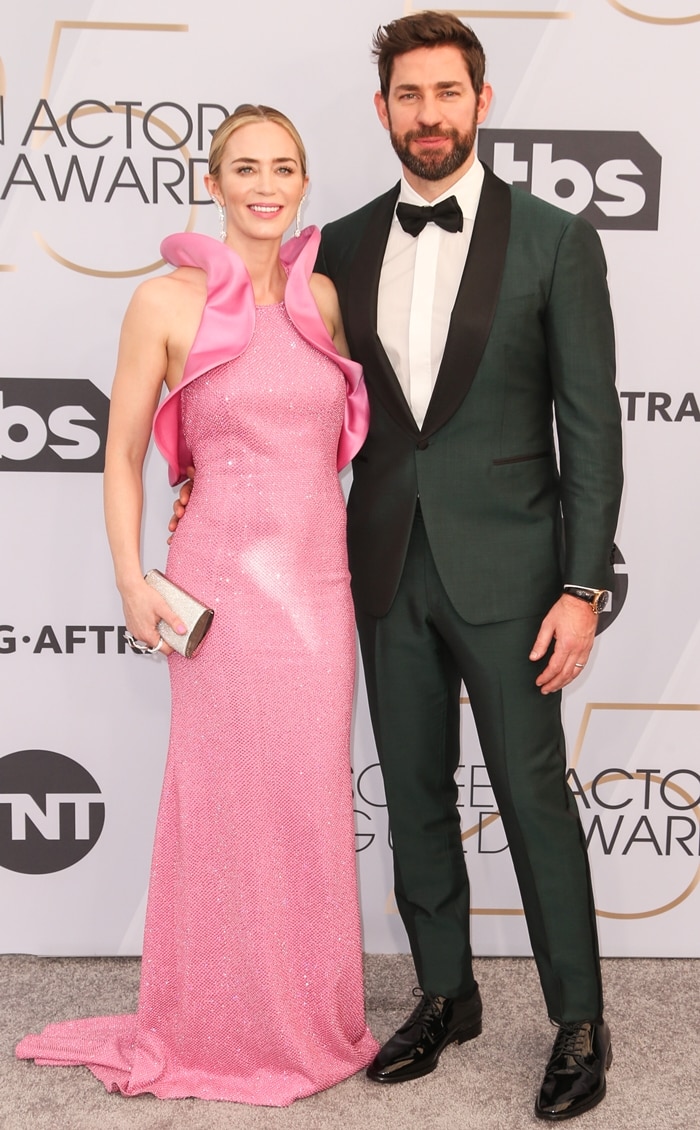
195	616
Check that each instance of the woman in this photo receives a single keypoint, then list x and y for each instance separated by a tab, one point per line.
251	985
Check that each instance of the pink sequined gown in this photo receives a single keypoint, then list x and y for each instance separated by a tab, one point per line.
251	986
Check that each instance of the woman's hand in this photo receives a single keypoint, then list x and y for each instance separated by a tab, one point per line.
143	608
181	502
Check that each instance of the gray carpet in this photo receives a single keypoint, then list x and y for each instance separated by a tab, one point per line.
488	1084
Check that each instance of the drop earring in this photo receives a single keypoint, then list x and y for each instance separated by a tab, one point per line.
222	221
297	230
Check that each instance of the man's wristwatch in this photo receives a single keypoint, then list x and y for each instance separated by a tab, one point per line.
596	598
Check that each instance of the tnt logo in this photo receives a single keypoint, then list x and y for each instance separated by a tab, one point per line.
51	812
612	179
52	425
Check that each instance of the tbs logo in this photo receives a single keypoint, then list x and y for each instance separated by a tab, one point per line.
612	179
52	425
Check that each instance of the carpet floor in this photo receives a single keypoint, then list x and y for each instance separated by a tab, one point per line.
487	1084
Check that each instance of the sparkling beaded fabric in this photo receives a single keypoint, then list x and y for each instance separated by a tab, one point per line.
251	984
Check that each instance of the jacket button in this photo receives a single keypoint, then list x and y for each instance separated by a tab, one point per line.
423	444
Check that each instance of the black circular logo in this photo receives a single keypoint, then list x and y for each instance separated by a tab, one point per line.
619	593
51	812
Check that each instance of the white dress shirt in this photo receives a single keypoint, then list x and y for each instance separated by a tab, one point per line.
418	288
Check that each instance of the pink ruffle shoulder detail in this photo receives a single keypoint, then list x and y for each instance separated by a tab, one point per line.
227	327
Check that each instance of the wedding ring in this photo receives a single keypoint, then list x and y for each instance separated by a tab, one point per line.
579	664
140	646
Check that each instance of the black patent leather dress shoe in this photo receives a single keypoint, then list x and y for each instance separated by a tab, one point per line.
574	1079
415	1049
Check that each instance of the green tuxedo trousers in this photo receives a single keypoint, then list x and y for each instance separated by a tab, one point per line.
415	658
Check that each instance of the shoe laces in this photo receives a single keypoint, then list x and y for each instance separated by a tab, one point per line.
571	1040
426	1008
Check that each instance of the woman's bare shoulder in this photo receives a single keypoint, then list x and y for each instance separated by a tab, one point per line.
326	298
171	295
323	289
182	282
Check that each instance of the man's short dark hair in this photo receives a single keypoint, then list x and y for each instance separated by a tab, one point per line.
427	29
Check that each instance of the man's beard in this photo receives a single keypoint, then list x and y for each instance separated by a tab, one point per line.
434	166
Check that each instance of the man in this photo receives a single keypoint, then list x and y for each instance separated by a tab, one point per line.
475	554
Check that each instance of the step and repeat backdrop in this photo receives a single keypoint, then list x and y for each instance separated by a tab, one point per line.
106	113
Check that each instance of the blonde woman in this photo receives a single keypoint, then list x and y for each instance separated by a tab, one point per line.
251	984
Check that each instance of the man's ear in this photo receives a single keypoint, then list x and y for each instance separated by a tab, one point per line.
380	107
483	102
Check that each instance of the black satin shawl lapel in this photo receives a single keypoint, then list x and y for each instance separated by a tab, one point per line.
361	312
475	305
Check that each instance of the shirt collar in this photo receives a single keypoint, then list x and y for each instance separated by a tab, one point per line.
467	190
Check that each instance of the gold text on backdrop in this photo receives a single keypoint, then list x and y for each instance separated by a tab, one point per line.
61	26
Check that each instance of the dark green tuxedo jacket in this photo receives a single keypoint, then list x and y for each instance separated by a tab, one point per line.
508	517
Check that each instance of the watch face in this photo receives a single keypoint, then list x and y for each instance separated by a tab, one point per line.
600	601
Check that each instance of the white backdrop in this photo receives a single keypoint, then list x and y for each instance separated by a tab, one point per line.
105	117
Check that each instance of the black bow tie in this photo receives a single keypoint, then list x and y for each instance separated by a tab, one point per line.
447	214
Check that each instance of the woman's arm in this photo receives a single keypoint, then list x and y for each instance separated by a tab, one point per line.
141	367
326	298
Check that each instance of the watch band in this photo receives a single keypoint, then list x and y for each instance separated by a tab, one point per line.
596	598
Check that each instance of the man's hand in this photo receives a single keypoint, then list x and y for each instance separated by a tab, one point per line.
181	502
571	623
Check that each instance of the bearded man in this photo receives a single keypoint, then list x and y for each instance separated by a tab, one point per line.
480	315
